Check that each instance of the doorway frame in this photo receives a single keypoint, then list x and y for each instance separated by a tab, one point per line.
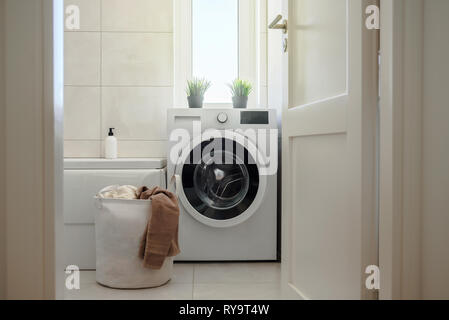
400	148
33	152
401	41
53	38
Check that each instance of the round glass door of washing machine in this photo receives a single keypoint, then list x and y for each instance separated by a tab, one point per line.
221	183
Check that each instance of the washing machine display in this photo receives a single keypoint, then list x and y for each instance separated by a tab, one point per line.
221	185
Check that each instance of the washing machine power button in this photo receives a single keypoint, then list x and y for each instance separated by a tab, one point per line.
222	117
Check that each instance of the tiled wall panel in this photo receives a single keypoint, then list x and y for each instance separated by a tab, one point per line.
118	73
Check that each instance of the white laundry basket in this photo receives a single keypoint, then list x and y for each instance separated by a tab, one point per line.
119	227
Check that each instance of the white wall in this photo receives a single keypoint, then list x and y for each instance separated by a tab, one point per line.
32	148
414	184
2	158
274	57
24	149
119	73
435	161
262	53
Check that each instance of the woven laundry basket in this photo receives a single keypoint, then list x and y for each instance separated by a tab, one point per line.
119	226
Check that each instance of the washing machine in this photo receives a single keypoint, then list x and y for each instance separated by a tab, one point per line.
222	163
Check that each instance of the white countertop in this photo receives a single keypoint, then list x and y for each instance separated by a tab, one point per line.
121	163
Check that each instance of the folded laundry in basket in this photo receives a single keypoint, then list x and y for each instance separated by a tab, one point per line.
118	192
160	239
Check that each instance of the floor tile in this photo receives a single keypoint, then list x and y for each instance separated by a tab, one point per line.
219	281
237	273
94	291
235	291
87	277
183	273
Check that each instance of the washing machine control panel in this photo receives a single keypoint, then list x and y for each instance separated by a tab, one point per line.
222	117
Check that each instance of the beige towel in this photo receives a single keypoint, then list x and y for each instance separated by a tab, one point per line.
160	239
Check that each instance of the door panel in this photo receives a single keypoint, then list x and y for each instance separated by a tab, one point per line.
321	215
318	36
329	90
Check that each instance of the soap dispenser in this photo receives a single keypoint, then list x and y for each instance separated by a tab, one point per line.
110	145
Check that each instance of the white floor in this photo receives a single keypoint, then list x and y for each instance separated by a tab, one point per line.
215	281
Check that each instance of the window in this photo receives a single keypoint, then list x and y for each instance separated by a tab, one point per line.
215	39
215	45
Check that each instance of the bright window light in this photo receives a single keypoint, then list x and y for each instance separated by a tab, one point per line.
215	45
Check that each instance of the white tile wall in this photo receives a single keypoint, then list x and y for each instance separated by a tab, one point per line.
82	58
82	149
141	59
137	15
82	112
139	149
89	14
144	107
119	73
142	149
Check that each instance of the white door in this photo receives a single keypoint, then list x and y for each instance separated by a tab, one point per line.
329	96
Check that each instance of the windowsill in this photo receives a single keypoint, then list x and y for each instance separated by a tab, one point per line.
211	106
217	105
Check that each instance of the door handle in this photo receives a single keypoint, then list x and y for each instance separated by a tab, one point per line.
275	25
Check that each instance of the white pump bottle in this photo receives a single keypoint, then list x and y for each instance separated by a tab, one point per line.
110	145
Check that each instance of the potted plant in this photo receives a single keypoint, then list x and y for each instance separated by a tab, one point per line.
240	90
196	88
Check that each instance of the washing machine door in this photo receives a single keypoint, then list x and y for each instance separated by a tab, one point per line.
221	185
